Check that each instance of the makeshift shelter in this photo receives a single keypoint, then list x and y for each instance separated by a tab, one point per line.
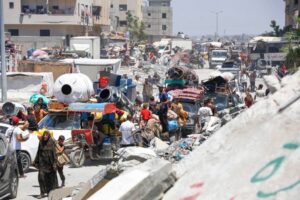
21	86
92	67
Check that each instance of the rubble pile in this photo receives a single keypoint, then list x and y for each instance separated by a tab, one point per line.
177	150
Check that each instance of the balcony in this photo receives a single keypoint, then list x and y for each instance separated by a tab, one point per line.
60	7
50	19
54	12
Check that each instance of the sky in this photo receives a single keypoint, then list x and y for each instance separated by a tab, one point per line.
195	17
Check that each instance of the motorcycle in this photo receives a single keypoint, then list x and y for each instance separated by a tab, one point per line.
89	141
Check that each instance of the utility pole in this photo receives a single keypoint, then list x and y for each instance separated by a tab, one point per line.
3	57
217	22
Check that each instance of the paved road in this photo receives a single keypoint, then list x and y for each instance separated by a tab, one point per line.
29	186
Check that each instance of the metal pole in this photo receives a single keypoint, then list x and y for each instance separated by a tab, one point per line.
217	22
3	64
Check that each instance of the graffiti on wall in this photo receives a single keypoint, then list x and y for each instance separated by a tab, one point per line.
270	169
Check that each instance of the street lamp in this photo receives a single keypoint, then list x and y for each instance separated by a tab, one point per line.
2	45
217	22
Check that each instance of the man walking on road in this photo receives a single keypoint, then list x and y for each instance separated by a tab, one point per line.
14	135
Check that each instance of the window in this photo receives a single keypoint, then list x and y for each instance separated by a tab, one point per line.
11	5
123	7
55	7
97	11
165	4
45	32
111	6
61	121
164	15
149	14
39	7
3	129
123	23
149	25
296	2
14	32
164	27
25	8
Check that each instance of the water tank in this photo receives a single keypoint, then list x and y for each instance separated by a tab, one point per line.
76	87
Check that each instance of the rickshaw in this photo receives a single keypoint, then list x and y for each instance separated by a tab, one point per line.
84	144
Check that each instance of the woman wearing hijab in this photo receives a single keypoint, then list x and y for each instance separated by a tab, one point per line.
46	162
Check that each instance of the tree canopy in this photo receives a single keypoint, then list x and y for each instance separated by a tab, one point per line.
136	27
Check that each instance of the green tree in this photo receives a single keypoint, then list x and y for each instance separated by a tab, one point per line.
292	49
136	28
277	31
276	28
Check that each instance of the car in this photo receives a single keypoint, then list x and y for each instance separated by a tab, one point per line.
28	148
190	99
230	66
217	57
226	96
9	179
60	123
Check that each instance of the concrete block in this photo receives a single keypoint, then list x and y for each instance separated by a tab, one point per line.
146	181
136	153
87	187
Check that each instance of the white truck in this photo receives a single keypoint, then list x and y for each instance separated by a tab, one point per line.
166	46
217	57
89	44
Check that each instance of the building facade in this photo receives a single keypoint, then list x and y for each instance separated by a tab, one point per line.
158	19
118	13
49	23
101	16
48	18
292	11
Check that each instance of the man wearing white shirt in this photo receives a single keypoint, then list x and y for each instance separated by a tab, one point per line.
204	114
14	136
126	130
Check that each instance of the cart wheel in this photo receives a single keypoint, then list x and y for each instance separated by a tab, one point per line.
77	158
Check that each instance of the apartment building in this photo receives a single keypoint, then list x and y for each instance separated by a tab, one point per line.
118	10
48	17
158	19
101	16
292	11
47	23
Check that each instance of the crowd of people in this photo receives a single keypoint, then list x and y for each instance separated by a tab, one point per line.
150	113
49	151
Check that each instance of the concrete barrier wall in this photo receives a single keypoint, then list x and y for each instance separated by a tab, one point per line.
148	180
256	156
